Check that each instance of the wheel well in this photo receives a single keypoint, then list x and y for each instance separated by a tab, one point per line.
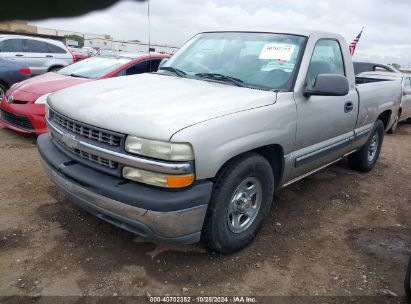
385	118
274	154
4	84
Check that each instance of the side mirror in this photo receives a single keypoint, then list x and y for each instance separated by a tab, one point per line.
328	85
407	92
164	60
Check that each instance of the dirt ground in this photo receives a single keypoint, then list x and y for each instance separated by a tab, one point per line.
337	232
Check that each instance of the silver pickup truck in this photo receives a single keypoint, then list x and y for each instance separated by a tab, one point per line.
197	150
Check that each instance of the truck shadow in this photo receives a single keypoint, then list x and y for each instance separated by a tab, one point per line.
102	250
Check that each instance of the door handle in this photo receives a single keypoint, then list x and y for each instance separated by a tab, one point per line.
49	56
348	106
18	55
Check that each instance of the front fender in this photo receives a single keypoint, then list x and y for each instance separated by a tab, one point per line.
218	140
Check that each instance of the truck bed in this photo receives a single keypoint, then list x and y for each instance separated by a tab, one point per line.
363	80
376	96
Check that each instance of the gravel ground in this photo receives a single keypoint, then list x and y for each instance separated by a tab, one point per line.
335	233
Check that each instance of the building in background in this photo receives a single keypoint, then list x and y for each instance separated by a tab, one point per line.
22	27
127	46
79	39
405	69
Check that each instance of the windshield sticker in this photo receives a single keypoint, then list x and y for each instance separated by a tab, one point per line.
277	51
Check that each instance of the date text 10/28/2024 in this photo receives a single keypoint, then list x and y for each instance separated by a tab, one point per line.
202	299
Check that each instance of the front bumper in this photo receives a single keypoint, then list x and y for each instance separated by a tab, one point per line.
176	216
24	118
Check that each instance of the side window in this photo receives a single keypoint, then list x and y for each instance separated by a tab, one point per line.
34	46
11	45
326	59
55	49
407	84
155	64
139	68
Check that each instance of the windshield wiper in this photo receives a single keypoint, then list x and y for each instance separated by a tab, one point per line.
178	72
79	76
238	82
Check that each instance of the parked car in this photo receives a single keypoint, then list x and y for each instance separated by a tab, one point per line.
361	67
10	73
79	54
407	282
197	150
39	54
23	108
404	112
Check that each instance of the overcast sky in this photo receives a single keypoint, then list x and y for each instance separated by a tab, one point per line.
386	37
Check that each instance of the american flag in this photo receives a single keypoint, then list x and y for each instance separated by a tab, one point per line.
354	43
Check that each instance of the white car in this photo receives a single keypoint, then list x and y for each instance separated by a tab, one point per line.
39	54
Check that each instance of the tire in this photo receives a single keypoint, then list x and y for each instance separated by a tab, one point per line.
55	68
363	160
3	90
234	217
407	282
395	124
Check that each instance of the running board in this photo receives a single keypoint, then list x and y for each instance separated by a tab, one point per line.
315	170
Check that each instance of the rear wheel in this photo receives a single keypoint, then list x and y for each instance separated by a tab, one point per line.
55	68
365	159
241	199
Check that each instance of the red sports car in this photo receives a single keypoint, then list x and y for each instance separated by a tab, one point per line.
22	108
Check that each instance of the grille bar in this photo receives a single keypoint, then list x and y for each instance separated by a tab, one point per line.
92	133
90	157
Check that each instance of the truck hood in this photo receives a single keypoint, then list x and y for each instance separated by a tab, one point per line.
48	83
153	105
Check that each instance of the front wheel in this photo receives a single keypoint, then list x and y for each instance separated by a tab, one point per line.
365	159
241	199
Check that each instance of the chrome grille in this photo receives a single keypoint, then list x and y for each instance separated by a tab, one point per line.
93	158
84	130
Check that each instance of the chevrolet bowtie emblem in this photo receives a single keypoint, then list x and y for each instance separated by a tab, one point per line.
70	141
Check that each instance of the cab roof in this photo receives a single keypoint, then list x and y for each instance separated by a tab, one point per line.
299	32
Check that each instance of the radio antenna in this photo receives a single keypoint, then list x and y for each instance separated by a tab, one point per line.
149	30
149	26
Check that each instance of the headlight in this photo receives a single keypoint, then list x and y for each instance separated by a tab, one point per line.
159	149
158	179
14	85
42	99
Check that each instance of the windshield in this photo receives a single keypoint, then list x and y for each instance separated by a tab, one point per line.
94	67
259	60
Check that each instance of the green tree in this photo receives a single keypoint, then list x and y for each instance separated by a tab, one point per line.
77	38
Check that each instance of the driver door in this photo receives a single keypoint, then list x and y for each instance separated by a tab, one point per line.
325	125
